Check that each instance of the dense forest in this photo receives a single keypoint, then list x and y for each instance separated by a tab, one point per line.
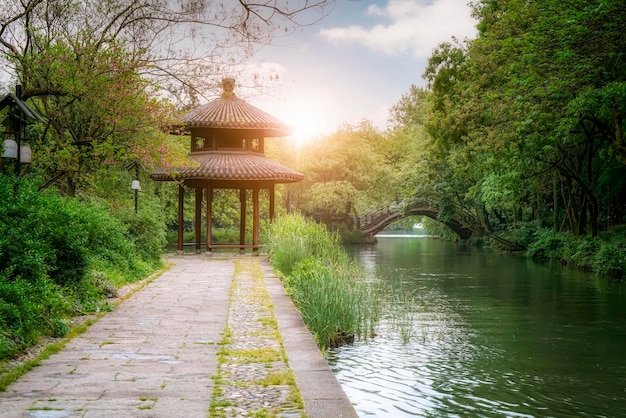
518	134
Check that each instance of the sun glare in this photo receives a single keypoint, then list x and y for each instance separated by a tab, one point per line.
306	112
308	119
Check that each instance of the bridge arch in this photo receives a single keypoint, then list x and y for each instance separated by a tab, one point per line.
377	220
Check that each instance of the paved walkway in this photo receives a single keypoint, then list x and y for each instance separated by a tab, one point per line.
160	353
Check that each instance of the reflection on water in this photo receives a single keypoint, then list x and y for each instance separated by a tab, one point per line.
490	335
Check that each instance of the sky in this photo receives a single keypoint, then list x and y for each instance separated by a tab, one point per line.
357	62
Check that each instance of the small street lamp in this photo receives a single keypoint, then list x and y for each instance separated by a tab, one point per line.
136	186
15	129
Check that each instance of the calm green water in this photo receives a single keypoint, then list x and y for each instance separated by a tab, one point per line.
486	335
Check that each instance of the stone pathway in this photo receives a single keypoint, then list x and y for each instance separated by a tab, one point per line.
193	343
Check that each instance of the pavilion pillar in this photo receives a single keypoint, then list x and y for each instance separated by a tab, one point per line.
255	220
209	218
242	220
198	222
272	200
181	202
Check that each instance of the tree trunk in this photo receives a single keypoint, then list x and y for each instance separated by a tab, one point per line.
555	206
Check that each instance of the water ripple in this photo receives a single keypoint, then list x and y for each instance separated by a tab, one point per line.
489	336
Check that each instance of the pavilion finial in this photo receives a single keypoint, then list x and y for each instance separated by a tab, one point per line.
228	84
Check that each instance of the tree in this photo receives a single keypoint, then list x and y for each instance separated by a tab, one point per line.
98	71
182	44
106	116
527	119
565	74
351	171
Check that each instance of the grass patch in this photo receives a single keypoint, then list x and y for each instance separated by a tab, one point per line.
257	355
248	287
278	379
44	408
331	292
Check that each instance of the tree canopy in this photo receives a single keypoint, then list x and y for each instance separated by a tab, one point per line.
108	75
527	119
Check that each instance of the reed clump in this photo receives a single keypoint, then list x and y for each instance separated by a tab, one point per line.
329	289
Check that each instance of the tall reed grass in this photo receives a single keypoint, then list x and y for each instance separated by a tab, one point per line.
331	292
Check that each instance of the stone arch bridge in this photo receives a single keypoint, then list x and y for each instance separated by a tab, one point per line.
375	221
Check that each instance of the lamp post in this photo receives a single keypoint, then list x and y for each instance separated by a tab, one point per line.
13	148
136	186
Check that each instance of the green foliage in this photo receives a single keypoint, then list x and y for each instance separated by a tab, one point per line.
524	233
225	235
35	238
604	254
551	245
105	114
355	169
610	259
331	299
61	256
145	231
293	238
525	122
327	287
29	309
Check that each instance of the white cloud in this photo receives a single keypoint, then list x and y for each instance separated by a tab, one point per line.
409	26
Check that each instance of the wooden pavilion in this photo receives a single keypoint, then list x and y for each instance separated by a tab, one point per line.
227	143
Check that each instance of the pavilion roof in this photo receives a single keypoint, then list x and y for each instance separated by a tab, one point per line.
231	166
231	112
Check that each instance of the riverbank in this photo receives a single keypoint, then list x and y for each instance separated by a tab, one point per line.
604	254
171	350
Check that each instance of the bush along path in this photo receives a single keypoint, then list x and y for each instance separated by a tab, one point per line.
254	378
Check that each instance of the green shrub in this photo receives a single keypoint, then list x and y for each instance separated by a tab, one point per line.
523	233
61	256
551	245
68	260
583	252
611	259
604	254
28	310
225	235
350	237
146	231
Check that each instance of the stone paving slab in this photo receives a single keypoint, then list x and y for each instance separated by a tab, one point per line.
156	354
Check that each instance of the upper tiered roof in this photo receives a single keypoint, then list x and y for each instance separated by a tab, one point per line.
239	124
231	112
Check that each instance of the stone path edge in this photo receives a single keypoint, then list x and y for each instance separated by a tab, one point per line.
321	392
80	324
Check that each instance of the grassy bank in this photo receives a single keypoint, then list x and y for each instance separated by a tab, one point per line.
62	257
327	287
604	254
